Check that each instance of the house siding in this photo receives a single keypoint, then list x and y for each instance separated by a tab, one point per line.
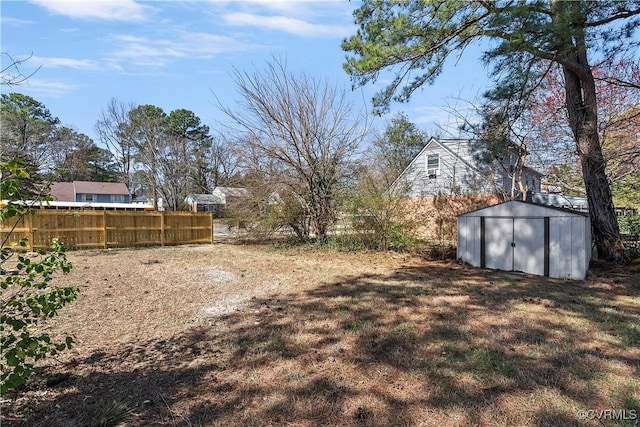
103	198
460	172
456	176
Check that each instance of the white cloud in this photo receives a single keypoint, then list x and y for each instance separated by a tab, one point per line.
47	88
14	21
145	51
286	7
286	24
48	62
110	10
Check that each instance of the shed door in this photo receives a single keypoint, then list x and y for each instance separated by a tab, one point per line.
498	240
528	252
516	244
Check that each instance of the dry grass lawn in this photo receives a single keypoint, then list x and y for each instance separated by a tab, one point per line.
231	335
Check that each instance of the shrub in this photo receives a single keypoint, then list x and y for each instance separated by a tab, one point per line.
630	232
28	294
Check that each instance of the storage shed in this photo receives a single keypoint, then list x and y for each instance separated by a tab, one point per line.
521	236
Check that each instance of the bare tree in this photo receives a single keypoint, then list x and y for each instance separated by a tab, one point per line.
115	132
223	160
11	75
148	135
308	127
501	144
169	150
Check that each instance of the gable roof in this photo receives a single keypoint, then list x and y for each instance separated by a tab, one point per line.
90	187
465	144
63	191
445	144
218	196
462	151
206	199
532	171
519	208
231	191
66	191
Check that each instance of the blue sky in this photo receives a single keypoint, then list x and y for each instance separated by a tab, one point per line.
178	54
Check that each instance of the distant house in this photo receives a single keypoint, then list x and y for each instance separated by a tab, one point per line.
215	202
451	166
87	191
204	203
559	200
92	195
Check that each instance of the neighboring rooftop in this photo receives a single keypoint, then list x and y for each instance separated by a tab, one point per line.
560	201
206	199
66	191
218	196
231	191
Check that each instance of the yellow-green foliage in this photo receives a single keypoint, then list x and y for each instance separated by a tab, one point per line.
28	294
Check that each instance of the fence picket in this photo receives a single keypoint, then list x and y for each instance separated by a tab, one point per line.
104	229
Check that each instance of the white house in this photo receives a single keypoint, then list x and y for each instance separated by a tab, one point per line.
452	166
216	201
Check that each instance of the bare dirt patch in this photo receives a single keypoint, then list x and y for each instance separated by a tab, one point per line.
247	335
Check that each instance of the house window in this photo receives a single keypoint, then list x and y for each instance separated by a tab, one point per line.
433	165
118	198
89	197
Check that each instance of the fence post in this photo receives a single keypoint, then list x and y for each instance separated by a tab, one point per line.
161	228
104	227
212	229
29	221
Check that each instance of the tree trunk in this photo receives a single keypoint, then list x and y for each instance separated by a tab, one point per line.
582	109
604	222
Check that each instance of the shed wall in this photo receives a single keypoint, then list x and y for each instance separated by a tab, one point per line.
567	253
469	240
569	240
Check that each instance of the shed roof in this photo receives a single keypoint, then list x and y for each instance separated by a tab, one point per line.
206	199
518	209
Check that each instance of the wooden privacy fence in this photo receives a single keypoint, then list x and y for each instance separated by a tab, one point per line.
106	229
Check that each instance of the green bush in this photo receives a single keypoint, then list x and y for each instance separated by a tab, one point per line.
347	243
362	240
630	233
629	225
28	294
